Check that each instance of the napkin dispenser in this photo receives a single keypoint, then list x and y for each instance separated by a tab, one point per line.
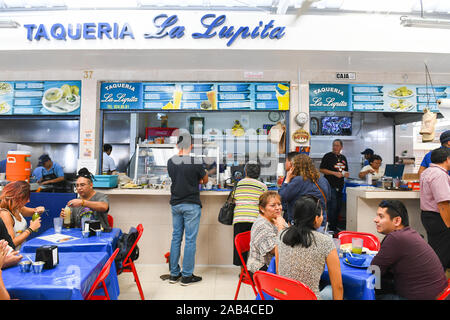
49	255
91	226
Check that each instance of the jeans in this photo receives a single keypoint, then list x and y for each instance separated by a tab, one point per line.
185	219
334	207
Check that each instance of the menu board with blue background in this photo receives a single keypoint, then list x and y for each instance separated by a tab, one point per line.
40	97
194	96
375	98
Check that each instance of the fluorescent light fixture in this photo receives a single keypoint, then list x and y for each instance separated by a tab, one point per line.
424	22
9	24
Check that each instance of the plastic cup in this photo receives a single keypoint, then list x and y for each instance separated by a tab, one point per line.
25	266
357	245
57	223
38	266
98	232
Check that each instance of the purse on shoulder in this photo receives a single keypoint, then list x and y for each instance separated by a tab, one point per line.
227	211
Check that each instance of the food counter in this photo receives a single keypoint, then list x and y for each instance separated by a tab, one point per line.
129	207
362	205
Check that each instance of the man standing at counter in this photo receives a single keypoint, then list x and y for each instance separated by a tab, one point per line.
48	172
109	166
445	143
368	153
186	175
435	203
334	166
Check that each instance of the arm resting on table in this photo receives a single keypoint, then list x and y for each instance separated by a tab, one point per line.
334	272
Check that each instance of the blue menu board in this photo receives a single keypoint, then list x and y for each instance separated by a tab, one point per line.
40	97
375	98
195	96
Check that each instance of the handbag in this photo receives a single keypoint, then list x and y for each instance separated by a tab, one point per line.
323	194
226	213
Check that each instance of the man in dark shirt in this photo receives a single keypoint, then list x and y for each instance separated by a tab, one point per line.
186	175
409	267
334	167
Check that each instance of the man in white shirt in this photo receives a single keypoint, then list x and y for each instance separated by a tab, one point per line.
109	167
374	168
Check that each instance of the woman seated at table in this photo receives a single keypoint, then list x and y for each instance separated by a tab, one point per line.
374	168
89	201
4	295
302	252
264	232
12	211
304	179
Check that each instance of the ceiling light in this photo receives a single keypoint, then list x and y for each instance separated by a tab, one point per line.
9	24
424	22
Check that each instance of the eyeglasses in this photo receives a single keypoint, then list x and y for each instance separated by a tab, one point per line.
80	185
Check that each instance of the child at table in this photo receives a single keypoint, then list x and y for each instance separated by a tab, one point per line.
302	252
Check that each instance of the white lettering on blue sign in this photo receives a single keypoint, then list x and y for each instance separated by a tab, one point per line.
329	89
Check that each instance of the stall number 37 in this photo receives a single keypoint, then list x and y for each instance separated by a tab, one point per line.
88	74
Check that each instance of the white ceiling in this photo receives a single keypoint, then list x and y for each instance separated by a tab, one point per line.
224	59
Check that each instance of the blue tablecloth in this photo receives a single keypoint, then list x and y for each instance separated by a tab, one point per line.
107	242
71	279
357	282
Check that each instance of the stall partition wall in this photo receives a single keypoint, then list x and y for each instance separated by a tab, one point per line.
57	137
374	131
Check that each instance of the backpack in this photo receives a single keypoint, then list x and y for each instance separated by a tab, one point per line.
125	242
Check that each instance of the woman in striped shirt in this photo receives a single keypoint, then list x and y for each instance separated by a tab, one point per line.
246	196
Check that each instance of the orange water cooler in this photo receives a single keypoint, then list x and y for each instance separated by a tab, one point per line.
18	166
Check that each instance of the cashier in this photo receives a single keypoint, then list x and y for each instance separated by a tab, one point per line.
109	166
374	168
48	172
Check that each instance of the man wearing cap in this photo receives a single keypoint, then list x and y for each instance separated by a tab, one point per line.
367	154
445	142
48	172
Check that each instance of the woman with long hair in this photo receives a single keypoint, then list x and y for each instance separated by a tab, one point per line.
14	197
90	202
264	232
304	179
302	252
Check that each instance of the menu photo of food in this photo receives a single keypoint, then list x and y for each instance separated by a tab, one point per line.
400	98
61	97
5	97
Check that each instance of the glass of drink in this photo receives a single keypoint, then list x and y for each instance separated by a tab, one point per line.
57	223
357	245
337	243
67	214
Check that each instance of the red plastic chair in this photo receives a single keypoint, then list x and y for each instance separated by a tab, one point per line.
100	281
128	264
242	244
110	221
444	295
281	288
370	241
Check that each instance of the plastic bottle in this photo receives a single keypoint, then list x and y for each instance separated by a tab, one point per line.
34	217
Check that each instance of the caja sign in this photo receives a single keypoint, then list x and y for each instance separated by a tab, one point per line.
166	27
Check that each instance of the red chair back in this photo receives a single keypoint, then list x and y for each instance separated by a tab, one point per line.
281	288
127	261
444	295
110	221
370	241
102	276
242	244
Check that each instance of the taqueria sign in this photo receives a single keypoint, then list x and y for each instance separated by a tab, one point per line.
166	27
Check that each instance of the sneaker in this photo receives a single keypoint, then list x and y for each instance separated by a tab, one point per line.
185	281
174	279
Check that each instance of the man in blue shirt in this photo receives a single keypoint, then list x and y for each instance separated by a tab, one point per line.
368	153
48	172
445	143
3	166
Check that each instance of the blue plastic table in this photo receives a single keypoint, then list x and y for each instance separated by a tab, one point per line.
71	279
358	282
106	242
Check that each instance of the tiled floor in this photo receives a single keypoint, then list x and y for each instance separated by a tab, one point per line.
219	283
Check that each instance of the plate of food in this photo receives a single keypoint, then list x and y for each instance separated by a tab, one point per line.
401	105
5	88
4	107
61	100
131	185
401	92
